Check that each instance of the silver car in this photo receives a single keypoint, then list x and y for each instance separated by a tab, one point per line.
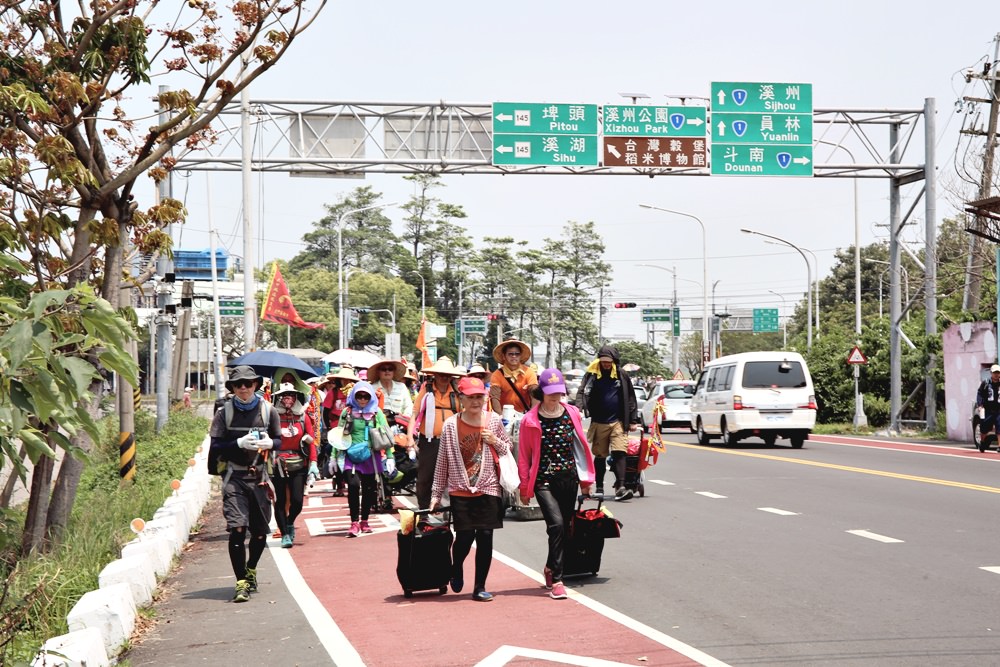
675	395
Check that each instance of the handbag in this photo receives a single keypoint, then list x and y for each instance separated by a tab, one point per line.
381	440
594	523
291	462
507	473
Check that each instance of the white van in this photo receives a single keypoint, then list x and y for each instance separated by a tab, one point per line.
764	394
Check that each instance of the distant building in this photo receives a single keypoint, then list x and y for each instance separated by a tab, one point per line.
197	264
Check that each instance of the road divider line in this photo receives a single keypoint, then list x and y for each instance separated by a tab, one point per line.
653	634
709	494
775	510
875	536
995	569
330	636
835	466
661	482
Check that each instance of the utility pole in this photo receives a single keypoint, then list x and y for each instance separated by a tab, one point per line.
973	272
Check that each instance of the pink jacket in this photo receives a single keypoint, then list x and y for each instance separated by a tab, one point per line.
449	472
529	448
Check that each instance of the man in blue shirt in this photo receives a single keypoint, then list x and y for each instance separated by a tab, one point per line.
607	397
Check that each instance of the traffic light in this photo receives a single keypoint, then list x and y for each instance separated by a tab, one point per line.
492	316
625	304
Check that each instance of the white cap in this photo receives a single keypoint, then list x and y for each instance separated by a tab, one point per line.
994	369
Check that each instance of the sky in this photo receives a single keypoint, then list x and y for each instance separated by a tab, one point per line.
855	54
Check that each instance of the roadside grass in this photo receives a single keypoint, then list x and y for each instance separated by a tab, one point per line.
39	591
843	428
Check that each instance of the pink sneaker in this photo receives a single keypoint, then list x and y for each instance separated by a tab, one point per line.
355	529
365	528
558	591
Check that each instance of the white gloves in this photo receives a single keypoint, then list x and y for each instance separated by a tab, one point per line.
390	466
412	453
314	469
248	441
265	443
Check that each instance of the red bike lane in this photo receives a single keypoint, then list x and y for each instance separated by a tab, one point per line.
355	582
955	449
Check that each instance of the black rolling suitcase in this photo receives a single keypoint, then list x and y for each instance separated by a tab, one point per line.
424	559
589	529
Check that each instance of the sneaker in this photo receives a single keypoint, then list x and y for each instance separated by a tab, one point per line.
251	579
355	529
291	533
548	578
365	528
600	491
558	591
242	591
286	542
623	494
482	596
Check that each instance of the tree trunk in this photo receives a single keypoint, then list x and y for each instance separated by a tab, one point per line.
8	488
38	505
64	493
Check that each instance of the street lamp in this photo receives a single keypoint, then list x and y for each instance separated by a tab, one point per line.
704	262
784	327
675	352
815	273
809	330
341	219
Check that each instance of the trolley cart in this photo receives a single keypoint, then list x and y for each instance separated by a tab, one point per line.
636	462
585	543
424	558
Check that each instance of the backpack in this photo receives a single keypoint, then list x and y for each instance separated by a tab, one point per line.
217	467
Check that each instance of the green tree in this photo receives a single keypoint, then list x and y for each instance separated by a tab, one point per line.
71	157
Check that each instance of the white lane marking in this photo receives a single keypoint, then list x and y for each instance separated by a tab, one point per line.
650	633
995	569
875	536
661	482
315	501
506	654
709	494
775	510
341	651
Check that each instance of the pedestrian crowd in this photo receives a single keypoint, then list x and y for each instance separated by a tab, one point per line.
440	435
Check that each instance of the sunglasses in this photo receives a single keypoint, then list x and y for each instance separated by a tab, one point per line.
362	397
387	369
243	384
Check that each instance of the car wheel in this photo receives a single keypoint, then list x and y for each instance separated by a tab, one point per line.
703	438
769	439
728	436
977	436
797	441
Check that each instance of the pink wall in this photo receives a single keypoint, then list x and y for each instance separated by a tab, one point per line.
970	348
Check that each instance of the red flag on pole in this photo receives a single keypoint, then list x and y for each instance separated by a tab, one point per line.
425	360
277	306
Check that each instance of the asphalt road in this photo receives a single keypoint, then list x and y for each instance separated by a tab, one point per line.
846	552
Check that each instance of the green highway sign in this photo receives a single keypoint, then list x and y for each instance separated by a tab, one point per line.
537	149
765	320
474	325
541	118
231	306
624	120
749	128
677	321
761	97
656	315
538	134
762	129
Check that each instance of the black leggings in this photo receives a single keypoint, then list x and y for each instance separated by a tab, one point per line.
289	490
484	554
238	551
557	500
360	494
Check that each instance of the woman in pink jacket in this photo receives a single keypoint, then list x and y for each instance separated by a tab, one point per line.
467	470
554	461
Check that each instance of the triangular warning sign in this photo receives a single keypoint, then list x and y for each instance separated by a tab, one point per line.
856	357
678	375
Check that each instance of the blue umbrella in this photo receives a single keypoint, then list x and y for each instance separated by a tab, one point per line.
266	362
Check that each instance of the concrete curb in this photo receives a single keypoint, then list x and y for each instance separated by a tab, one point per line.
102	620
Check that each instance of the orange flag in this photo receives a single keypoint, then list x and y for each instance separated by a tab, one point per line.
277	306
425	360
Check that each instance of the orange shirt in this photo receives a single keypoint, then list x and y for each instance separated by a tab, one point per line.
524	378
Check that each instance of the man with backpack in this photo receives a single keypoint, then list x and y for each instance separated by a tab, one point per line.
243	432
